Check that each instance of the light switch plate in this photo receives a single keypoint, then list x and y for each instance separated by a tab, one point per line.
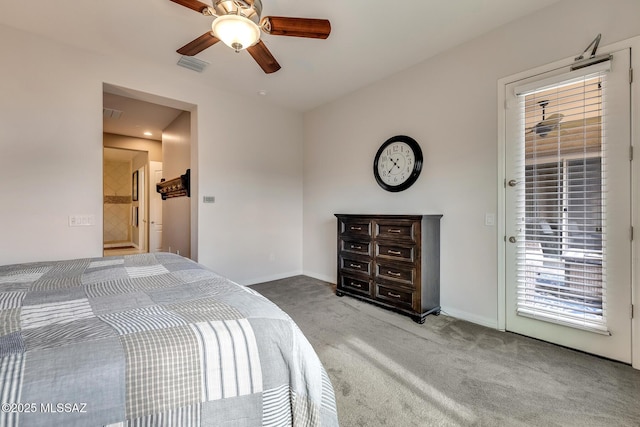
490	219
82	220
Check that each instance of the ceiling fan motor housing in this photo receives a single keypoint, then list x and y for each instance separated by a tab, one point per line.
251	9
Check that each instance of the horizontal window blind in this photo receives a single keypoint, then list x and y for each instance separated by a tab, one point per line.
561	206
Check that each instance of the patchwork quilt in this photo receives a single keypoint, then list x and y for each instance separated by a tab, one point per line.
153	340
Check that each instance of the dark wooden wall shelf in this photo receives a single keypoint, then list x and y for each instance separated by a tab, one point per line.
176	187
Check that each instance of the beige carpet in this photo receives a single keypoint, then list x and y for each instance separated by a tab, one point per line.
389	371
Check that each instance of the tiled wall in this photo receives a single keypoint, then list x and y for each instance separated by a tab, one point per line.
117	201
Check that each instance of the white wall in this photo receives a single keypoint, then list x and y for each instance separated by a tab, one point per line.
51	160
449	105
176	212
253	231
151	146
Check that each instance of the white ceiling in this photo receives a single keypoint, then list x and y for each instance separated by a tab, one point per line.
369	40
136	117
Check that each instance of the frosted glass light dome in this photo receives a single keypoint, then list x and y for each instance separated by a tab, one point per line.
236	31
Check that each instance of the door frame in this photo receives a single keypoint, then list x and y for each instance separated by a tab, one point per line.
153	198
143	244
634	44
192	109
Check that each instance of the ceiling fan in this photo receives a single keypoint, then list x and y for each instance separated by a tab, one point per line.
238	24
548	124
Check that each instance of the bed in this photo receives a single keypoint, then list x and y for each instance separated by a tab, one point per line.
154	340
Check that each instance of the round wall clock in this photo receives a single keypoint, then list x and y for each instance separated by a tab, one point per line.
398	163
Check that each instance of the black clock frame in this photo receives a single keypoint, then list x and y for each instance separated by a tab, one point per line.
417	166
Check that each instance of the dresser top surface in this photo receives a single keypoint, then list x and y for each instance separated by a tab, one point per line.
385	216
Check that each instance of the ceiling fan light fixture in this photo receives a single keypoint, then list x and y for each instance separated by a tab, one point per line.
236	31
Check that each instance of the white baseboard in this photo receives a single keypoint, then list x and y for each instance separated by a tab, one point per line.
323	277
463	315
271	278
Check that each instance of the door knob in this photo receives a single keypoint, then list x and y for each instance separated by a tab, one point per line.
513	183
512	239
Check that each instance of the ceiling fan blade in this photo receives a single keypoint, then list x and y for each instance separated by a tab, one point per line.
198	45
196	5
296	27
263	57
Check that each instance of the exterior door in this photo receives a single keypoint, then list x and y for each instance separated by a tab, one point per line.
568	208
155	208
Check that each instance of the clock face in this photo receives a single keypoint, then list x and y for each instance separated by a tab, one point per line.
398	163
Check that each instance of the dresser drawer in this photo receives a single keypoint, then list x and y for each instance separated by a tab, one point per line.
395	252
390	229
352	246
351	284
355	227
396	273
355	265
400	298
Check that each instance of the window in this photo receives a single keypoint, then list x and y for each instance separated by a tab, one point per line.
561	209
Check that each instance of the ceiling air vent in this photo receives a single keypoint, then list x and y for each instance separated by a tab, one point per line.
110	113
192	63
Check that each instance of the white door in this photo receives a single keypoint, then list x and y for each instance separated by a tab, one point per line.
568	208
155	208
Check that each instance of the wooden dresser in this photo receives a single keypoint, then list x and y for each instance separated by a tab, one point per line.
392	261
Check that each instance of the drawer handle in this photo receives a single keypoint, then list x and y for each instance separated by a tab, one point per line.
356	285
391	294
394	273
395	230
356	247
355	228
355	265
392	252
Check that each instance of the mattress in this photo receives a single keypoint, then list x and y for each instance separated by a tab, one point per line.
151	339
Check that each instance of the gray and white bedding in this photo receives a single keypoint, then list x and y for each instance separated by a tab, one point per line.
151	340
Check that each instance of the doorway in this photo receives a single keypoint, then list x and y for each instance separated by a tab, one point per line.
567	200
124	201
160	127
